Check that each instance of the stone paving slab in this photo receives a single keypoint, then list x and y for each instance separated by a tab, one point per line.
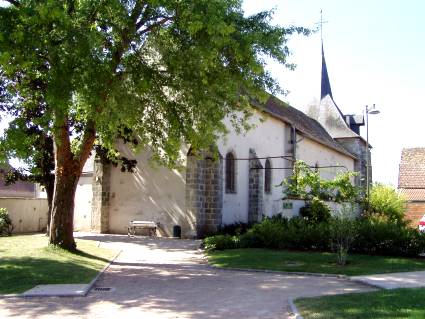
415	279
59	290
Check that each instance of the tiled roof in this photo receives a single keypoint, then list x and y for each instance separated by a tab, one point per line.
302	122
412	168
413	194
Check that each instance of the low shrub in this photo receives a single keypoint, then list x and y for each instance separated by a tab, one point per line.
250	240
221	242
270	233
366	236
6	226
383	237
235	229
316	211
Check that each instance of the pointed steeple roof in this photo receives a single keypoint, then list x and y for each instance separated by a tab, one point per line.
326	85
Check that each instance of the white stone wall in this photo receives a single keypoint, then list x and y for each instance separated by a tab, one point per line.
314	153
271	138
150	193
158	194
27	214
267	139
82	202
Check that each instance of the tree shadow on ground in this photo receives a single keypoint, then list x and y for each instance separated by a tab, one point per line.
168	244
164	290
20	274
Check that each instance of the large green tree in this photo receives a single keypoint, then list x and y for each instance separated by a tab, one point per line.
164	71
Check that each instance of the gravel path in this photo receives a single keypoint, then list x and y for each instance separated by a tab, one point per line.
167	278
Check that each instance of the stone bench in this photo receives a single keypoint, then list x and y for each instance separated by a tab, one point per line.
141	224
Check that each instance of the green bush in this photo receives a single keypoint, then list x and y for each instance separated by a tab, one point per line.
221	242
343	232
303	235
235	229
362	235
316	211
385	201
249	240
6	226
388	238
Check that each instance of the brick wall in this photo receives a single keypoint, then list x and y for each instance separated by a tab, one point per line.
414	212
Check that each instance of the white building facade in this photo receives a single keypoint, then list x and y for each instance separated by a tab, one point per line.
236	181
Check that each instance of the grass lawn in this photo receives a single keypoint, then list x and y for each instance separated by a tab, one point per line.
313	262
27	261
385	304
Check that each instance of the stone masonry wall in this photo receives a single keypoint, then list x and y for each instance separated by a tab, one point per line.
358	147
101	193
255	194
204	191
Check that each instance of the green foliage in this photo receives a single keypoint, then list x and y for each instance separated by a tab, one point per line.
6	226
386	202
316	211
161	74
220	242
339	234
307	184
169	70
238	228
390	238
343	231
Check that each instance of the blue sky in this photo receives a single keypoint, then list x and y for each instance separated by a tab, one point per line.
374	53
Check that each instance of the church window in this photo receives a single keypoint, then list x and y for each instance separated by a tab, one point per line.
268	177
230	173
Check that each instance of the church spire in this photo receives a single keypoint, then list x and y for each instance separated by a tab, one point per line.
326	85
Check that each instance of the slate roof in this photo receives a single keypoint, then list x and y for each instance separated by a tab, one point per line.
412	170
303	123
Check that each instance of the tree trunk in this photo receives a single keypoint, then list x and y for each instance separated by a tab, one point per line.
68	167
49	190
62	215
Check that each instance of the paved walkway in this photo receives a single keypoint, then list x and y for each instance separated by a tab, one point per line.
414	279
165	278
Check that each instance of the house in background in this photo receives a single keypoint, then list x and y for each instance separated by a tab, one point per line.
18	189
411	182
25	202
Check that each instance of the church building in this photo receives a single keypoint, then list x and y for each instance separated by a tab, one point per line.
236	181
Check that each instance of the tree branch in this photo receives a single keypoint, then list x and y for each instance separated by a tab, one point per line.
89	137
154	25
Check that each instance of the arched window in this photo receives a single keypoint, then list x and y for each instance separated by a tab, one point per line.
268	177
230	173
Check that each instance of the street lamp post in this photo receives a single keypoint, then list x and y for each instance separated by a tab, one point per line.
372	111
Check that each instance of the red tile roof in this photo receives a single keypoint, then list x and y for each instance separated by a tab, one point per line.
413	194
